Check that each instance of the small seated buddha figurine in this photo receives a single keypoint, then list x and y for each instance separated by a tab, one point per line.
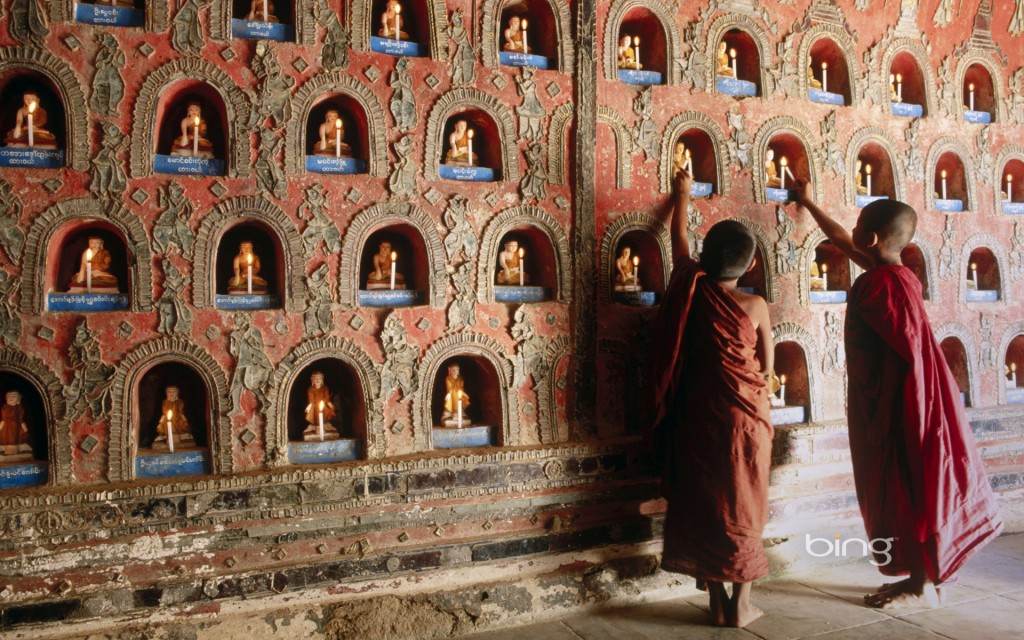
627	58
893	94
680	158
514	37
18	137
817	280
185	144
771	173
858	179
172	416
391	17
722	59
256	11
380	277
93	274
509	260
318	400
239	284
14	434
330	129
455	390
458	145
812	82
627	277
774	385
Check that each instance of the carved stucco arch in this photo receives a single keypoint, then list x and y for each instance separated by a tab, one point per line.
490	33
51	390
623	145
961	333
805	256
767	247
842	39
920	55
133	366
613	234
509	220
683	123
990	242
717	30
236	107
558	139
959	149
377	217
930	256
896	160
1011	332
363	24
462	99
798	129
83	211
792	332
155	20
466	343
285	376
670	29
69	90
548	396
1007	153
995	73
248	209
335	82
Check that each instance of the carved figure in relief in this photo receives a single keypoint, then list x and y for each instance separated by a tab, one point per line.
174	315
626	56
318	402
833	152
10	320
785	248
534	184
834	352
267	170
509	261
455	393
1017	252
90	386
27	22
93	272
986	350
403	100
530	350
14	428
627	277
172	422
514	36
944	13
186	36
771	173
947	253
400	359
18	137
645	133
531	112
275	98
245	262
332	136
724	69
740	141
380	277
171	228
392	19
262	10
108	173
462	312
320	229
1016	26
461	238
402	181
319	315
459	145
252	367
461	55
107	83
192	142
334	54
12	238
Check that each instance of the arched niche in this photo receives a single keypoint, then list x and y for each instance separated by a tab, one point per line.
623	145
790	137
979	70
43	398
125	417
483	393
486	140
872	146
705	140
761	279
412	260
832	45
23	66
796	356
1010	348
550	243
753	51
914	258
45	238
70	241
346	401
424	20
152	400
650	20
297	14
554	405
267	247
154	103
909	60
1010	163
481	109
840	274
550	30
399	215
560	140
650	240
173	107
946	155
283	10
983	261
959	349
365	130
282	233
1014	365
791	361
14	85
494	392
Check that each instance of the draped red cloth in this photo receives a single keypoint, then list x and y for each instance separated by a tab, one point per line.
712	420
918	475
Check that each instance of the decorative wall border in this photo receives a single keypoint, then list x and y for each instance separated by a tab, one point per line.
82	210
623	145
236	106
990	242
562	119
713	35
285	376
523	216
473	344
921	57
842	39
490	30
959	149
930	256
362	26
767	247
72	96
156	13
792	332
695	120
795	127
132	367
896	160
673	37
613	234
1011	332
994	71
335	83
1007	153
961	333
240	209
51	390
547	419
459	100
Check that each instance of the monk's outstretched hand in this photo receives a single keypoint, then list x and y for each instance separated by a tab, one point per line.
803	193
682	182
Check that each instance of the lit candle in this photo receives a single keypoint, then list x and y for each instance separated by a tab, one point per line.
88	270
170	431
394	257
824	77
525	48
195	137
732	54
899	87
398	32
522	266
469	135
974	274
943	184
784	164
636	271
867	170
782	389
689	163
321	415
824	276
266	13
248	274
1013	374
337	137
458	395
970	88
1009	188
636	51
31	124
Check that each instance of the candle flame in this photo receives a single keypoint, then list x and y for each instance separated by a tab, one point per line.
636	261
824	268
469	133
687	153
783	161
892	78
974	266
337	123
782	379
1009	177
522	252
197	121
88	255
943	173
170	414
524	24
394	256
824	65
899	77
732	53
398	8
321	406
459	396
32	106
867	169
636	41
248	258
1013	367
970	87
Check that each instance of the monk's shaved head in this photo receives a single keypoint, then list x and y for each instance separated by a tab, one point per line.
728	250
893	221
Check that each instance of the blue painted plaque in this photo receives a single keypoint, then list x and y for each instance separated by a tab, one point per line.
1013	208
86	302
503	293
788	415
466	173
316	452
636	298
1015	396
825	97
982	295
863	201
512	59
185	165
455	438
259	30
170	465
401	48
389	298
907	110
328	164
31	158
735	88
977	117
948	205
828	297
23	474
640	77
701	189
780	195
247	302
109	16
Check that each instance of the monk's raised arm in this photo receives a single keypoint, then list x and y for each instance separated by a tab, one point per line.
835	232
680	242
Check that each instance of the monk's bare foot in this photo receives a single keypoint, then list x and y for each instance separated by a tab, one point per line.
913	593
719	603
743	615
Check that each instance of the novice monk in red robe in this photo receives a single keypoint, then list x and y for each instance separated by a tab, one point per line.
712	418
915	464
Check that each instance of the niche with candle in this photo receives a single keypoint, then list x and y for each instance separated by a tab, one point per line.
87	269
873	175
956	357
637	270
907	87
1011	187
785	162
191	131
23	433
333	431
393	269
695	151
525	269
979	95
738	65
828	75
263	20
755	281
529	24
790	387
829	275
475	421
1013	371
640	50
983	280
111	13
172	416
471	148
33	122
950	184
249	269
400	28
336	136
913	259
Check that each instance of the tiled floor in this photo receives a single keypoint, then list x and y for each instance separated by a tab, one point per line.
987	604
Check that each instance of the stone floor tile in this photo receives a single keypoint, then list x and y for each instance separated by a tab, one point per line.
542	631
657	621
855	590
993	572
1015	595
1009	545
888	629
994	618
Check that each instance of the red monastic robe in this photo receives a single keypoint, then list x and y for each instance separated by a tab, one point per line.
713	421
918	475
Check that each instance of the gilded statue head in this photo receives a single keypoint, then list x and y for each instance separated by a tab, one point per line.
172	393
13	398
317	379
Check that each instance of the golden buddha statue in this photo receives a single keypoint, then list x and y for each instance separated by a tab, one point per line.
383	261
246	265
459	145
93	275
455	391
18	137
192	142
332	137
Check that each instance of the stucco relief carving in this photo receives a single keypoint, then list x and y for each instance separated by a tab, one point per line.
186	28
947	253
174	316
517	218
26	22
252	369
107	82
1017	253
321	231
880	137
402	180
529	361
462	310
337	39
915	160
274	98
109	179
613	234
833	151
645	132
319	316
673	37
173	228
785	246
90	387
547	401
401	361
723	155
995	71
12	238
623	145
456	101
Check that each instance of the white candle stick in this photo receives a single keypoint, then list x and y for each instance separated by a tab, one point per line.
782	389
469	135
867	170
195	137
321	427
459	404
525	48
636	51
636	271
266	12
899	87
170	431
394	257
31	124
88	270
337	137
824	276
1009	188
522	266
785	167
398	32
974	274
689	163
732	54
943	184
970	88
248	274
1013	374
824	77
